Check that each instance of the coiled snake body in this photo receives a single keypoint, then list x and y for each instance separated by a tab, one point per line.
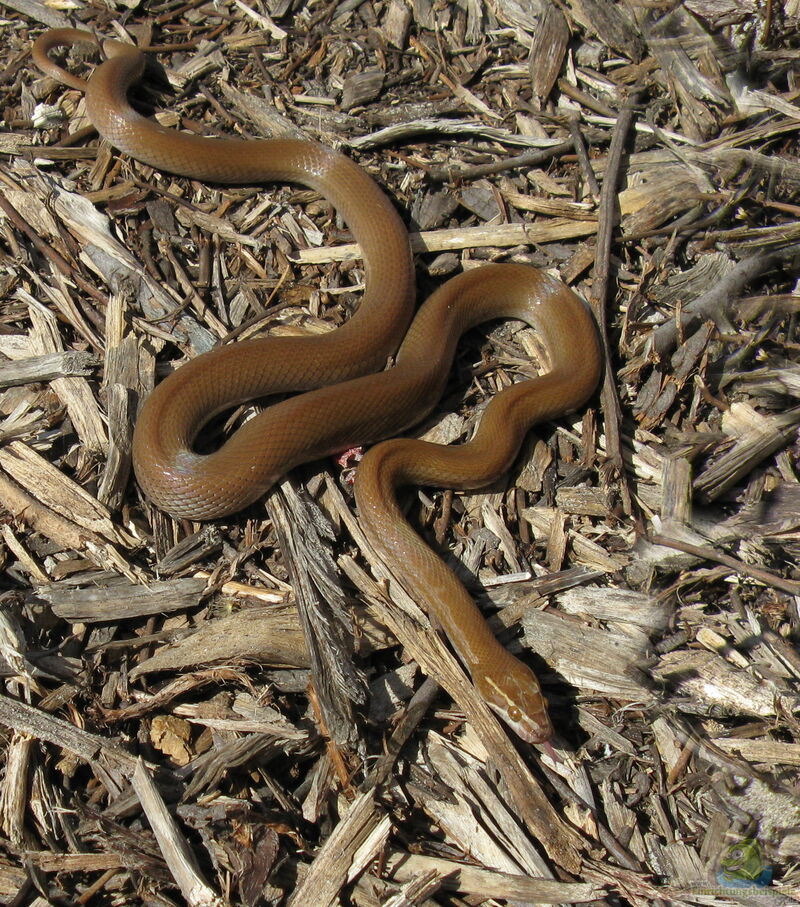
345	403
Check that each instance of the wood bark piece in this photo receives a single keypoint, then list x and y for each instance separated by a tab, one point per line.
106	756
266	636
174	847
57	492
547	49
73	392
123	600
338	860
573	650
471	237
39	12
759	437
471	880
47	367
322	609
611	24
65	533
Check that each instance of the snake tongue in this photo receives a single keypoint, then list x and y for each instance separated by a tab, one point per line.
547	746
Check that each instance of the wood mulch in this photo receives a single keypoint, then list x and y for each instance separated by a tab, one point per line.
221	714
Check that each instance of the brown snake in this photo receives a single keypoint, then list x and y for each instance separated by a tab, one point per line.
347	401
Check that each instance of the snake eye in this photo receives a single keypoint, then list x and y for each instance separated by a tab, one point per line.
514	714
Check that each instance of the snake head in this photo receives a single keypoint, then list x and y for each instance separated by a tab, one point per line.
513	692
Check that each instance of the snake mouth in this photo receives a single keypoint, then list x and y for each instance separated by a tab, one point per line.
533	732
538	733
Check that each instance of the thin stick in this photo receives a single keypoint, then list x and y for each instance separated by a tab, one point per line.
526	159
583	156
711	554
608	219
